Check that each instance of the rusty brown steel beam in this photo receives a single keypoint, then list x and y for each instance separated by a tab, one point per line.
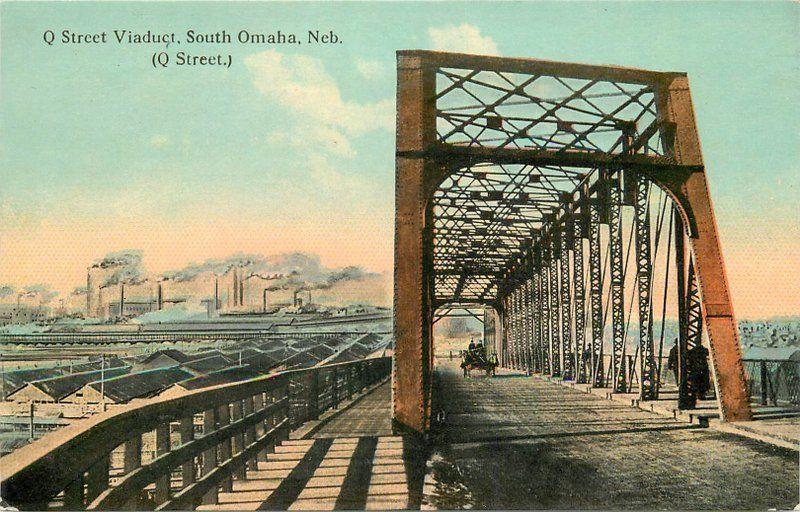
412	305
541	67
694	202
465	156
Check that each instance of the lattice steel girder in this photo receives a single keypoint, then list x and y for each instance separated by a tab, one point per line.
596	290
619	383
529	324
648	389
536	309
581	374
521	327
568	370
513	331
547	343
681	269
555	331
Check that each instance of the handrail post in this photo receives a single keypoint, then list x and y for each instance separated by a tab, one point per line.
313	395
348	381
133	453
97	478
271	421
73	495
250	433
335	389
210	456
187	435
260	429
224	415
132	459
163	446
287	413
240	473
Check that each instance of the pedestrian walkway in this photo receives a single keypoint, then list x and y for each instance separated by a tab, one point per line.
350	461
514	442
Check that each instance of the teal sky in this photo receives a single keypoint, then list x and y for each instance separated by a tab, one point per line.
101	152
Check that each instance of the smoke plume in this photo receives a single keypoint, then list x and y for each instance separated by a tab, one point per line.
121	267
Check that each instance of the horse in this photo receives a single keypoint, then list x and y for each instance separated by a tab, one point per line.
470	363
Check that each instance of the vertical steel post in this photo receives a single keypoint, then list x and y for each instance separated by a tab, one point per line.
596	294
580	319
544	326
555	338
648	389
619	383
528	325
536	318
566	308
416	130
512	299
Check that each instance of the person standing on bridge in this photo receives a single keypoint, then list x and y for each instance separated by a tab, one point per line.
698	375
672	362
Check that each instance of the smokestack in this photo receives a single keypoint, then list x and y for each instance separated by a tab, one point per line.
100	312
241	290
160	296
264	307
235	288
217	305
89	293
121	300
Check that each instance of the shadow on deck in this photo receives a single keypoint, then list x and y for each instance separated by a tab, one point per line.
528	443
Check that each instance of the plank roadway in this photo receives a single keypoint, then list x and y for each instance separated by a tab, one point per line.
514	442
351	462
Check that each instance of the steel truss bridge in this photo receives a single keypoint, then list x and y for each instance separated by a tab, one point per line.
569	200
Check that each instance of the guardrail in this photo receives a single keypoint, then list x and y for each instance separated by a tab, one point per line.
773	382
150	456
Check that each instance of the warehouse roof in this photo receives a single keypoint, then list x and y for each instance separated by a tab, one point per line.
62	385
207	364
16	379
262	362
175	355
225	376
141	384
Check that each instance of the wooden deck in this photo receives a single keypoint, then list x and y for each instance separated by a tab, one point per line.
350	461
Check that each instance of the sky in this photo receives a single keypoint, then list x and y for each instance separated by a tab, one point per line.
291	148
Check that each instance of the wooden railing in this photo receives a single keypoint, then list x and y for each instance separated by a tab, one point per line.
178	453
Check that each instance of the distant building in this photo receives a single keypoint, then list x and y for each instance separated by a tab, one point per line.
134	308
18	314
